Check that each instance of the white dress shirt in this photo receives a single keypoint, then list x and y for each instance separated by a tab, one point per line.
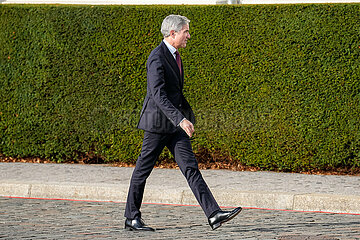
171	48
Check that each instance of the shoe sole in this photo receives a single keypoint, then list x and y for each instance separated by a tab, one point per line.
133	229
129	228
217	225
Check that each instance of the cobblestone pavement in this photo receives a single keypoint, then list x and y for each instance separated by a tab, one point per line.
59	219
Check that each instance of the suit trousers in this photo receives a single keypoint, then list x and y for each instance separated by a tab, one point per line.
180	146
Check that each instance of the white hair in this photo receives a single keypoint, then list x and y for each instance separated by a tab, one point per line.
173	22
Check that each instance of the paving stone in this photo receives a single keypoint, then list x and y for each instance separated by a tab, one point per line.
59	219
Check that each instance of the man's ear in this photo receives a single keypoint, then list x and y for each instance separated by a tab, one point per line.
172	34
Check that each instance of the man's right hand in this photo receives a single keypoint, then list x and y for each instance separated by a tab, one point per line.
188	127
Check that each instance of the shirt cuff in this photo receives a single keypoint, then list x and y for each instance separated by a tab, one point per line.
181	121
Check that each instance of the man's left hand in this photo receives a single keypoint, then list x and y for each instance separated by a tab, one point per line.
188	127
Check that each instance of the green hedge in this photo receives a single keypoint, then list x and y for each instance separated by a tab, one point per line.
273	86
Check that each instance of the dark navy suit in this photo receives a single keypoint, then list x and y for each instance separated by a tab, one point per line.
163	109
165	105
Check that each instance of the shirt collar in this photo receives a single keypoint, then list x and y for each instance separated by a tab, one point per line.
171	48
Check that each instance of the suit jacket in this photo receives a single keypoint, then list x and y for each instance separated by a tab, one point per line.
164	105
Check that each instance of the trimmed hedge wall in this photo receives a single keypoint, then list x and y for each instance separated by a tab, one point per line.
272	86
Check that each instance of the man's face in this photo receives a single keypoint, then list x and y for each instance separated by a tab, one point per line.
181	37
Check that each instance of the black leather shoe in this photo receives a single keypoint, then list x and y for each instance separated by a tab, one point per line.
222	216
136	224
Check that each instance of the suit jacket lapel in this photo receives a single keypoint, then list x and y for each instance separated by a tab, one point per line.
173	63
182	76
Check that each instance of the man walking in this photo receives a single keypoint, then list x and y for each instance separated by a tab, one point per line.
167	119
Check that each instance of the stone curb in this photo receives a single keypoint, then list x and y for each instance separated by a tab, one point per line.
111	192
